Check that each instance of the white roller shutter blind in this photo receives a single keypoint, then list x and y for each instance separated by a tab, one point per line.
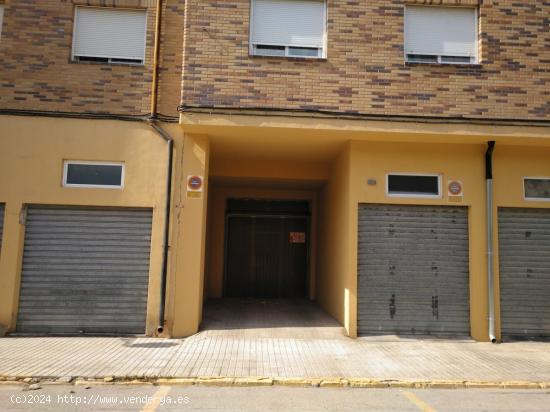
443	31
299	23
108	32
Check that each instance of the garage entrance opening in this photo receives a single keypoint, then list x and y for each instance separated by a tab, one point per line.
268	318
266	249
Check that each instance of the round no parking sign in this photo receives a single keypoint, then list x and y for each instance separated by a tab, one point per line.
195	186
455	188
194	183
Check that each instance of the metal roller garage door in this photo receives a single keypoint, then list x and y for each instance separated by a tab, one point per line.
85	270
524	238
413	270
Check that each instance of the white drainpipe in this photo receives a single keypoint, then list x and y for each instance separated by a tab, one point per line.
490	234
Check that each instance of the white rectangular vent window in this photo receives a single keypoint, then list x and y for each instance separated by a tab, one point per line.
291	28
413	185
537	188
441	35
1	19
109	35
93	174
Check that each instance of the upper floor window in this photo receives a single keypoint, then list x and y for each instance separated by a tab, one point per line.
291	28
445	35
109	35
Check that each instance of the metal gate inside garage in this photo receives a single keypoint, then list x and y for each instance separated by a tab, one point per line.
413	270
524	256
266	249
85	270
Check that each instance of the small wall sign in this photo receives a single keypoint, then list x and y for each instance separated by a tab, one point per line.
297	237
454	188
194	183
195	186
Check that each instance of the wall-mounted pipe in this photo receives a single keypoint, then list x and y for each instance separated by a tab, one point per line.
490	234
170	155
156	54
166	235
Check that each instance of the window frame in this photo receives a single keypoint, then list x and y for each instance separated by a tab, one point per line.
534	199
66	164
75	59
415	195
286	52
252	46
475	60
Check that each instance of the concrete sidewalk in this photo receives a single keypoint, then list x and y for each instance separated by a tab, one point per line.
211	354
279	341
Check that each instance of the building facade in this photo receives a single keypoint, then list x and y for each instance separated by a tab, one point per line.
389	160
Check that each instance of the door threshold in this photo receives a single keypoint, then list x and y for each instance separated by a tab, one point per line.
72	335
416	337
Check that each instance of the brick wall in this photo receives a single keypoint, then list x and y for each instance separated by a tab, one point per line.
171	57
36	72
365	70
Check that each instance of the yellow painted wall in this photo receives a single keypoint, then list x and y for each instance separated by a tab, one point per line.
32	150
218	196
460	162
277	169
188	238
510	165
454	149
335	285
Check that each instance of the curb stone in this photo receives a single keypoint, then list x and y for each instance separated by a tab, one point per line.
253	382
328	382
299	382
447	384
366	383
408	384
176	381
482	385
215	381
521	385
334	383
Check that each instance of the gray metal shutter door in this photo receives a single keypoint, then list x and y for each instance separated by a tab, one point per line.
85	270
524	238
1	223
413	270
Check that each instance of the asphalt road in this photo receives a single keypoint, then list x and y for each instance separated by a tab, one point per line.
181	398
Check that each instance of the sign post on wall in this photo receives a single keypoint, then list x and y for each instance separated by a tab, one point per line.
195	185
454	188
297	237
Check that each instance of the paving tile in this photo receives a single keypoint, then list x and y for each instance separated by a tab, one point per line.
274	340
